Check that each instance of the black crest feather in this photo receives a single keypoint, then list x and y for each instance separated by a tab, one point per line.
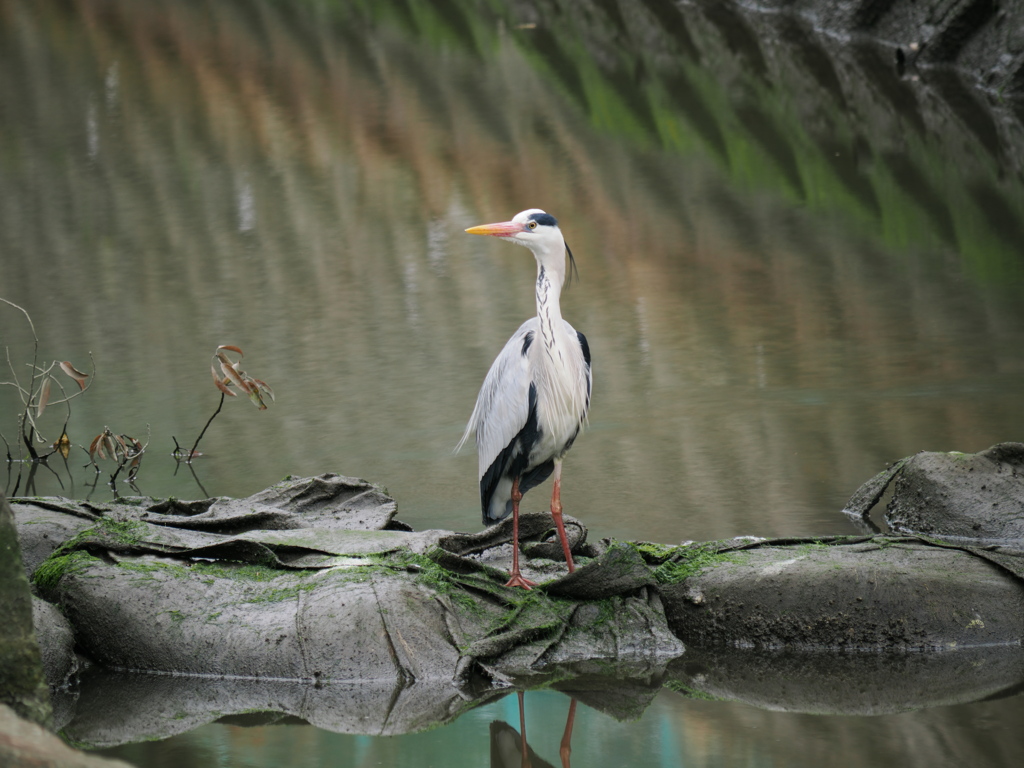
572	266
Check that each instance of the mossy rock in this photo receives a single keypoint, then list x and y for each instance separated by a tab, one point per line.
858	595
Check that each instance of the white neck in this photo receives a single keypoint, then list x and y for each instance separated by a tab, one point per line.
549	308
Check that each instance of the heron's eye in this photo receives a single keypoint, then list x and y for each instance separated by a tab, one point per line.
531	225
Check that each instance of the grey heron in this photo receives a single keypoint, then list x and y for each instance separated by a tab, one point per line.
534	400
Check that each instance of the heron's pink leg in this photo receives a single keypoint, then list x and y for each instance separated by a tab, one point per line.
517	579
556	514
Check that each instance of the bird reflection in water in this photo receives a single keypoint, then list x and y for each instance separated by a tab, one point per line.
509	748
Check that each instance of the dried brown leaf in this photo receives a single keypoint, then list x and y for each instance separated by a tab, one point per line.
74	373
94	447
44	396
257	400
221	385
264	387
234	375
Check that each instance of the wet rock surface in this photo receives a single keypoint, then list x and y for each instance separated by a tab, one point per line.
339	616
22	684
962	496
26	745
328	600
879	594
56	643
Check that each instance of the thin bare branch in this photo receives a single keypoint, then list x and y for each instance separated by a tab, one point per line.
22	392
26	395
195	445
25	313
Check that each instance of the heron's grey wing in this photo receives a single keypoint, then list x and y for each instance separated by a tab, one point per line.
503	405
587	369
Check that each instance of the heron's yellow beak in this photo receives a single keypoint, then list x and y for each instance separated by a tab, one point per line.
501	229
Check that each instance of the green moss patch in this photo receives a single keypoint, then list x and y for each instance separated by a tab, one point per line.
693	559
55	567
114	534
435	577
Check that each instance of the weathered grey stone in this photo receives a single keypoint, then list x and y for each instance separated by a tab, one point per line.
385	631
325	502
27	745
337	605
56	643
876	595
45	524
964	496
324	625
22	684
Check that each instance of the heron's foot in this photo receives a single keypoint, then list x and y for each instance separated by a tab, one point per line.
518	580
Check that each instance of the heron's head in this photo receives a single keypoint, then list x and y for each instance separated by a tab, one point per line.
538	231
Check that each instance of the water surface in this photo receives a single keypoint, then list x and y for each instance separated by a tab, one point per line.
795	268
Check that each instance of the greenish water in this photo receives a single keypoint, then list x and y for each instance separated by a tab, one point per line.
795	268
672	732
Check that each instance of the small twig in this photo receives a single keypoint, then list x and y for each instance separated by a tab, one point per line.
30	481
113	478
95	482
40	383
67	469
113	488
131	457
16	383
43	462
195	446
195	477
25	313
27	440
26	396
